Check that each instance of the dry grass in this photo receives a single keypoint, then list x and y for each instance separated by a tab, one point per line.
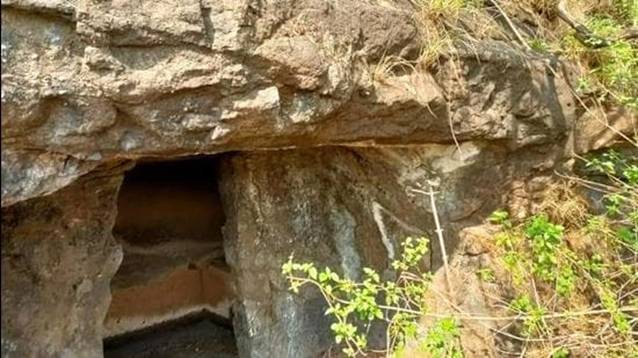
563	204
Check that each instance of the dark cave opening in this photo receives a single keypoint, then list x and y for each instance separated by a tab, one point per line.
173	281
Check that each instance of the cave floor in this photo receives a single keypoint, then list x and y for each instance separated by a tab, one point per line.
195	336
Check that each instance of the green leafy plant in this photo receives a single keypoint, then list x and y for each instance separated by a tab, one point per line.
486	274
552	280
545	240
569	290
539	45
442	339
534	321
561	352
500	217
621	180
613	68
354	306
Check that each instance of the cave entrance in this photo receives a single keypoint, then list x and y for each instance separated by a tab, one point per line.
172	293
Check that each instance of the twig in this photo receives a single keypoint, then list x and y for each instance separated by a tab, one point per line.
439	234
511	25
438	230
583	34
456	141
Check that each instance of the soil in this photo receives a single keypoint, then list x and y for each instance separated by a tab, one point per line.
198	335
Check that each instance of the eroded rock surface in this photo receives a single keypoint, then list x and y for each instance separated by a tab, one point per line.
58	257
103	81
347	209
89	83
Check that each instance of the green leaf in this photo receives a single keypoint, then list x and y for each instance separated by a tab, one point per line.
323	277
312	273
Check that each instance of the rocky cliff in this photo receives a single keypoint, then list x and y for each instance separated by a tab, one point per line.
318	140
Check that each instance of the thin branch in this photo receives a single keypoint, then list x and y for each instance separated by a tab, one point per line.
583	34
511	25
438	230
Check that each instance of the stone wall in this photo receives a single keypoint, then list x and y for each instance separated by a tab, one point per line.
88	82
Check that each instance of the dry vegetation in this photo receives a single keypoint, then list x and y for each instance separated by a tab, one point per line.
598	37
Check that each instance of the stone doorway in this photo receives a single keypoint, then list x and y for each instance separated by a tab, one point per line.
173	274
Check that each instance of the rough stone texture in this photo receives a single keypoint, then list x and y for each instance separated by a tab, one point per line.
106	80
87	83
58	257
345	208
592	132
469	293
27	174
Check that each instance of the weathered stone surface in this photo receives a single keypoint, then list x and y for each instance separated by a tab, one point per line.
152	78
64	8
594	131
28	174
58	257
468	293
344	208
311	205
87	83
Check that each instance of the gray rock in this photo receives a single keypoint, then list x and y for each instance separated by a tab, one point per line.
58	257
343	208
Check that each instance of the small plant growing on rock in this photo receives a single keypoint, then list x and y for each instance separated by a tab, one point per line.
588	270
397	303
442	338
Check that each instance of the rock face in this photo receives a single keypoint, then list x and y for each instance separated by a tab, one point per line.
58	257
89	82
321	139
345	208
